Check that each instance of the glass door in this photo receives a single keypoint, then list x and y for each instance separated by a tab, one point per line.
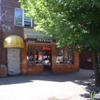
47	58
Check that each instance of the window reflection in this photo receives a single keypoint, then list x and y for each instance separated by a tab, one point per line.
18	16
30	56
21	19
27	20
68	56
59	56
39	56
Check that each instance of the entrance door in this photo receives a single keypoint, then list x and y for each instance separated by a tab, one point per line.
13	59
47	58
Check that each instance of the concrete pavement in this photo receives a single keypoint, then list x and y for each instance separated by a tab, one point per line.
47	86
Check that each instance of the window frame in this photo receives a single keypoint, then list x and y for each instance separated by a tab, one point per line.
23	18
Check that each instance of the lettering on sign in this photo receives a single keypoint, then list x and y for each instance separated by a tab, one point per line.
40	40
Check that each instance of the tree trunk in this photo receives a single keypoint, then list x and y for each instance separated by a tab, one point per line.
96	68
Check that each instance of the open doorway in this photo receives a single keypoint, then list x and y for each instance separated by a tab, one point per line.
47	58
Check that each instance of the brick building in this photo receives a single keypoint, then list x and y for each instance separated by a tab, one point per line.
24	51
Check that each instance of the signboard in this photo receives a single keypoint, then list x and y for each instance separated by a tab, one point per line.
46	48
28	40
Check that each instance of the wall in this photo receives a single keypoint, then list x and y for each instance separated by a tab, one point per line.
0	31
7	24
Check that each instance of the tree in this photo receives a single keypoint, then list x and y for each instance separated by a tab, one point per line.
72	22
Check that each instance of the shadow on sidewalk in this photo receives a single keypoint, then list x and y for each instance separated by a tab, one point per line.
49	76
81	77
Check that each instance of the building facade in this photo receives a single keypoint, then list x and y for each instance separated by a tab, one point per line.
25	51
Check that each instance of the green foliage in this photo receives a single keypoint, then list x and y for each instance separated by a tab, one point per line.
72	22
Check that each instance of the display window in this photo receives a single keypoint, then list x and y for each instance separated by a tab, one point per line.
59	56
38	56
64	56
30	56
68	55
41	56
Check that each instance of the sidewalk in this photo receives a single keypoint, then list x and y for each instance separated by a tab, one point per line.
47	86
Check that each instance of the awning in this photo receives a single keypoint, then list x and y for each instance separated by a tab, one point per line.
13	41
31	33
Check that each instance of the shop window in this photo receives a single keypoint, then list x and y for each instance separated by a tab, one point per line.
38	56
59	56
21	19
68	56
30	56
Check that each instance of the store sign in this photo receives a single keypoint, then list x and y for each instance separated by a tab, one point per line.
46	48
44	40
40	40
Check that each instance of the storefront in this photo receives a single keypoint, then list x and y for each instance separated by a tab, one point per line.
41	54
38	53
